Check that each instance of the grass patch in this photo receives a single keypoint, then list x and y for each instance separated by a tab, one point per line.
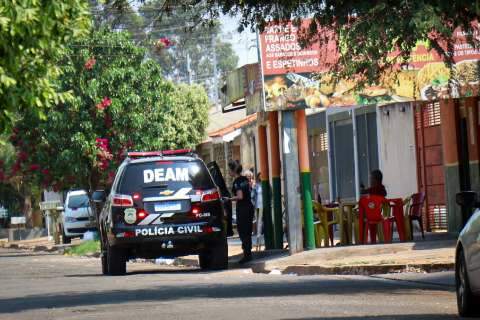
84	248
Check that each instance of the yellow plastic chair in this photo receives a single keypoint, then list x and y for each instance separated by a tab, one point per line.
349	212
321	233
323	223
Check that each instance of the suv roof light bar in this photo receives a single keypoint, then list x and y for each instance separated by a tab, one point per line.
140	154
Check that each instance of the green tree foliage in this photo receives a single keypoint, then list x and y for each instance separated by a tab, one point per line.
17	194
176	36
200	41
121	102
366	31
32	37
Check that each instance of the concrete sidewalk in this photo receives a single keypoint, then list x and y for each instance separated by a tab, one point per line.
419	256
37	244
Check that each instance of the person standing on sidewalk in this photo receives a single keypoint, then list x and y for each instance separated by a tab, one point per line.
241	192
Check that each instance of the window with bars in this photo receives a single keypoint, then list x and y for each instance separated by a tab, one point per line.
431	114
323	141
437	217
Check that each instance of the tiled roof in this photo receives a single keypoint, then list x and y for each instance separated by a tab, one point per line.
234	126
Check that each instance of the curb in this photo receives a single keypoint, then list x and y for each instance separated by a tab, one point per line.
303	270
261	267
38	248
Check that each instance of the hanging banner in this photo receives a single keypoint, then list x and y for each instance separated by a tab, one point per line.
292	74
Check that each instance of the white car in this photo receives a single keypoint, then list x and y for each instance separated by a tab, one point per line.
467	259
77	216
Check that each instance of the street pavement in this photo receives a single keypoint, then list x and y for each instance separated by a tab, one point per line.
49	286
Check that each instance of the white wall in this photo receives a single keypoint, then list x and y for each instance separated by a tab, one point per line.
397	149
52	196
247	147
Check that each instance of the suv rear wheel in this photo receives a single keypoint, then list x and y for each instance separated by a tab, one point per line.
215	257
115	261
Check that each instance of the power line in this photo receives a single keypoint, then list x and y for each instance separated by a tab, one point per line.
139	10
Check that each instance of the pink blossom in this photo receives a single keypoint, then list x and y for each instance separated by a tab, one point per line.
164	43
90	63
99	106
34	167
106	102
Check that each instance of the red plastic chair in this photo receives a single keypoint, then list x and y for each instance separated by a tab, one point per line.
415	211
370	215
398	217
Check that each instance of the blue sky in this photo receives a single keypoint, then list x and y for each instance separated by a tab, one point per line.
244	44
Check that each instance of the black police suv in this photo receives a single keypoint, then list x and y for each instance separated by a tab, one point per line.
164	204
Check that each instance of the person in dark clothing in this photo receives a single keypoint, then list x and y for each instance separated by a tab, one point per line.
376	186
241	192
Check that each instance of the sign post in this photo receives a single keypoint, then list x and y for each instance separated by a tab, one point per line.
52	210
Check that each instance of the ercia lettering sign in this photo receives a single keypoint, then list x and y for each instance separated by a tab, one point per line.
165	175
296	77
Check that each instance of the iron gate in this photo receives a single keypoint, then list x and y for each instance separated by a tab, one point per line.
430	164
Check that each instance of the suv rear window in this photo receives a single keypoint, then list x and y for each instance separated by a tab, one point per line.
78	201
166	174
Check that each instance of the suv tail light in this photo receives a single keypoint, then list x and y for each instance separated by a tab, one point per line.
210	195
195	211
141	214
122	200
137	196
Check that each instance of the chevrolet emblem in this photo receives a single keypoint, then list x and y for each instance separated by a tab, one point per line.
166	193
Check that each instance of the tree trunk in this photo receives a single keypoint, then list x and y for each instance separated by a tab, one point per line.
27	211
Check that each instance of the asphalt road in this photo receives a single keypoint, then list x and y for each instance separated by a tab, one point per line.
45	286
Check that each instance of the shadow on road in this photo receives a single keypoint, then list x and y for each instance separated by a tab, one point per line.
25	255
142	272
248	289
389	317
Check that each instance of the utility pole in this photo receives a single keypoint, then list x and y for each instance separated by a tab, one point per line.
189	69
292	182
215	71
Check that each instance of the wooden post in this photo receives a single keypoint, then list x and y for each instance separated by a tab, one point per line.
276	182
267	207
305	178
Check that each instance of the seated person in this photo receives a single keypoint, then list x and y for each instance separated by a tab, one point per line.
376	186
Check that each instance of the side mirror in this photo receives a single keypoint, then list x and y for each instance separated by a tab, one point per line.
467	199
99	196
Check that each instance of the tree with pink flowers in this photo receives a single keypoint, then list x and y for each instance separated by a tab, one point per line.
121	102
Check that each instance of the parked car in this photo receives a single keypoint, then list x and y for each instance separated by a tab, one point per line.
467	261
164	204
77	215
